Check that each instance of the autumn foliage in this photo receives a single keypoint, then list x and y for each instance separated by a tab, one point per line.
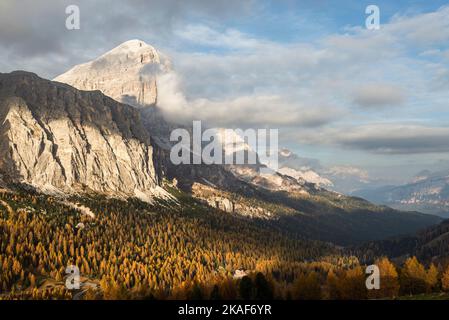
132	251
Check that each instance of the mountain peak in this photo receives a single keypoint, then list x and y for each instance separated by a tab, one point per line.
127	73
133	47
134	43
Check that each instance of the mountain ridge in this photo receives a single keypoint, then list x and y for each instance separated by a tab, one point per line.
429	194
56	137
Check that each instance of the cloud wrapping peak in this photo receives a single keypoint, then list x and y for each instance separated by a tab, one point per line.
256	111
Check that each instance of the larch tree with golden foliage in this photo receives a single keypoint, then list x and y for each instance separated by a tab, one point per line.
413	277
331	288
307	287
352	285
445	280
432	278
389	281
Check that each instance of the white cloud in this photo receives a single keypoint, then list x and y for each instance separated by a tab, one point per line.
391	138
422	30
204	35
378	95
245	111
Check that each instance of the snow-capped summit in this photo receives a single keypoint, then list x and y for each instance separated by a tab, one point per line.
126	73
285	153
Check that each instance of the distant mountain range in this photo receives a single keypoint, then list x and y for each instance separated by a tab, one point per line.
428	192
343	179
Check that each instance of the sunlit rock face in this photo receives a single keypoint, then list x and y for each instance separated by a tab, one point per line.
57	138
127	73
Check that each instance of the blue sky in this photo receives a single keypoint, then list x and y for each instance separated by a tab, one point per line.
286	21
374	99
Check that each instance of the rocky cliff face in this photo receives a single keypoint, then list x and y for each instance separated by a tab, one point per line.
223	201
57	138
127	73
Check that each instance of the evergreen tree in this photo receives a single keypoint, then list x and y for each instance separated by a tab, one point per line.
196	293
262	287
215	293
246	288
